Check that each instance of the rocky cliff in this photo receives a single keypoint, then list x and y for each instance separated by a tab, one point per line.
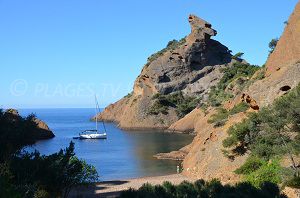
190	66
42	129
288	47
205	159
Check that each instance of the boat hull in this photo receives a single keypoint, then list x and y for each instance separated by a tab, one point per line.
92	136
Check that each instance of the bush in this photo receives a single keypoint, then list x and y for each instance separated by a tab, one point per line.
204	189
183	104
273	44
241	107
252	164
293	183
238	55
267	172
128	95
221	117
235	71
172	45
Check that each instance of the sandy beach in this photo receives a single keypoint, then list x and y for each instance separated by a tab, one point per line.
115	187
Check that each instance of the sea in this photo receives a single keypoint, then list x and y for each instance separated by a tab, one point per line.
124	154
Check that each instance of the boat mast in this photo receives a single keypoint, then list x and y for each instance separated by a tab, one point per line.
98	108
96	114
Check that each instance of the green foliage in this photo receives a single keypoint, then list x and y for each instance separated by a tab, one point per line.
157	108
252	164
269	134
16	132
221	117
204	189
128	95
133	102
24	174
204	109
293	183
56	173
267	172
172	45
217	96
238	55
273	44
235	71
240	71
241	107
183	104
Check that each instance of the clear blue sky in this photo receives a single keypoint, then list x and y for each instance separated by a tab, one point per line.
60	51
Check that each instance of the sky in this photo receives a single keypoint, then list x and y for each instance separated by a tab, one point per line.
59	53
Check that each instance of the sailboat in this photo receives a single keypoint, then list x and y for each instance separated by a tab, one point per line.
93	134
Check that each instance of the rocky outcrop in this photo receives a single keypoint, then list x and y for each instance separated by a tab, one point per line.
174	155
42	130
287	49
205	158
265	91
190	65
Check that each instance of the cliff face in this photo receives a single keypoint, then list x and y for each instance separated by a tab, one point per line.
288	47
190	65
42	130
205	158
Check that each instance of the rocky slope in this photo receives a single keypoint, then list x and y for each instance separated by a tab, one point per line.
288	47
191	65
205	159
43	131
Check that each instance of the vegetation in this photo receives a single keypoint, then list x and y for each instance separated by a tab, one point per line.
24	174
221	117
238	71
128	95
271	133
217	96
273	44
183	104
172	45
235	71
238	55
204	189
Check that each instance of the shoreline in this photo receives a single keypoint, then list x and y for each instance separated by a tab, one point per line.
113	188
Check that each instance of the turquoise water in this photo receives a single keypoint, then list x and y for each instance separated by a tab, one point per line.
124	154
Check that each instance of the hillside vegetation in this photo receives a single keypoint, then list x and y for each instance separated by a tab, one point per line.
268	135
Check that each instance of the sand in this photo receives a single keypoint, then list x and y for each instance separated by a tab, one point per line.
114	188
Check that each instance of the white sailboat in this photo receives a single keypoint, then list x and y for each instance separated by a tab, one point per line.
93	134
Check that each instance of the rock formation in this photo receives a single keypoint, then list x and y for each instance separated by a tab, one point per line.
205	158
42	131
287	49
190	65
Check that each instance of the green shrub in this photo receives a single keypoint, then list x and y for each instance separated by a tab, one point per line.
182	104
220	123
293	183
203	189
267	172
172	45
241	107
273	44
217	96
238	55
128	95
235	71
252	164
221	117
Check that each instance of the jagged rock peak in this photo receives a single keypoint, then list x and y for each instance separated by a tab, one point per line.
200	29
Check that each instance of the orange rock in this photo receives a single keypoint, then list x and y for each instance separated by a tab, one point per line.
288	46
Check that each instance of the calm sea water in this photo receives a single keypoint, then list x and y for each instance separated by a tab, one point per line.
124	154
